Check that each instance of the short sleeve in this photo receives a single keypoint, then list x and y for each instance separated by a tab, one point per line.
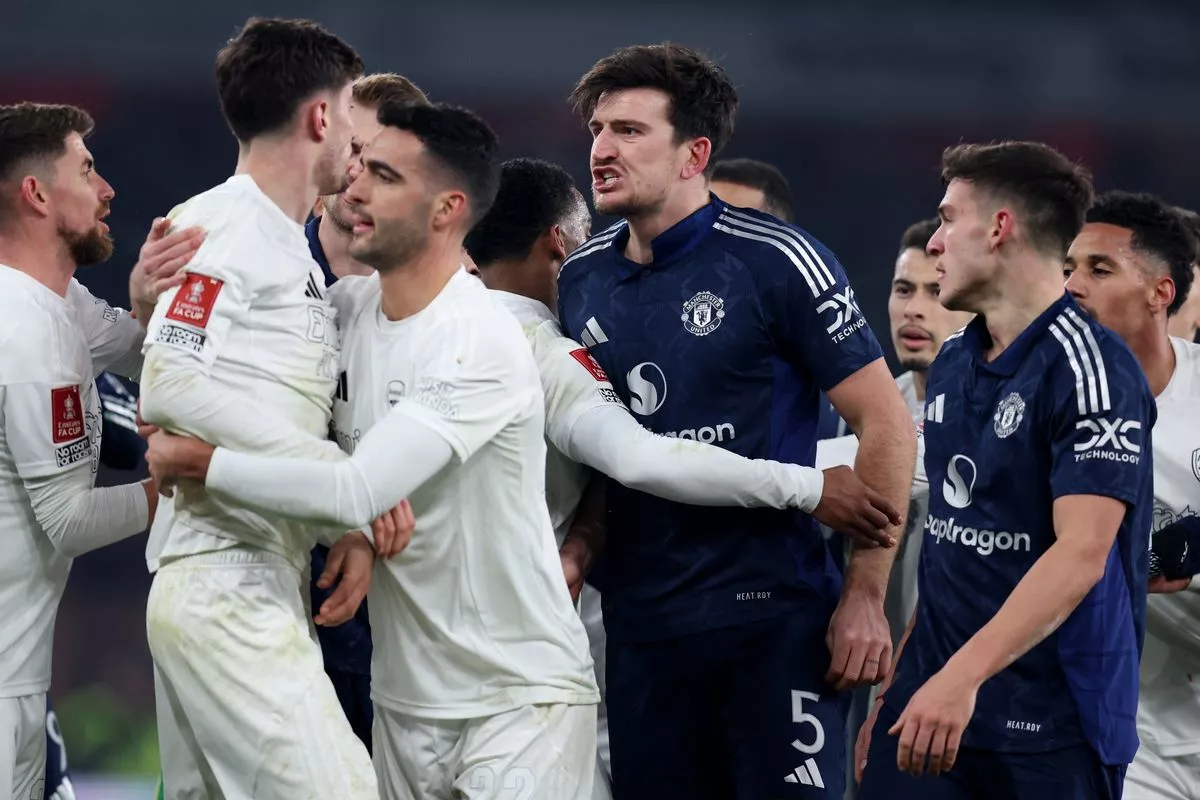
466	387
811	309
1102	417
573	383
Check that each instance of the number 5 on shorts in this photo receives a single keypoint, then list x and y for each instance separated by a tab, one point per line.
799	716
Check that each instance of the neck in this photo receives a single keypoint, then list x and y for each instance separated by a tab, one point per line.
514	277
1013	303
1152	347
49	265
335	243
645	228
272	165
408	288
920	378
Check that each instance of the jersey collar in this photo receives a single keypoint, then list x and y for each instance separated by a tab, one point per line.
977	339
311	229
536	308
675	242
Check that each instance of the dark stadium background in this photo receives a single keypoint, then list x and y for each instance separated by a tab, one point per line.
854	101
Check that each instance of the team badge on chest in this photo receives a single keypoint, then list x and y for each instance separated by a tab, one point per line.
1008	415
703	314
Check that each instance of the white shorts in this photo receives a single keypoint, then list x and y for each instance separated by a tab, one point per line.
593	622
532	753
23	746
1155	777
245	709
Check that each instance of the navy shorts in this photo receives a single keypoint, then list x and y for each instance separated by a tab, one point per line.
354	694
740	713
58	779
1073	773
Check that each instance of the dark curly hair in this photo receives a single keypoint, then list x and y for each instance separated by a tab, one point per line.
534	196
1157	230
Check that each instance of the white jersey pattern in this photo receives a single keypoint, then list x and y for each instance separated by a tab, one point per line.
243	355
473	618
1169	703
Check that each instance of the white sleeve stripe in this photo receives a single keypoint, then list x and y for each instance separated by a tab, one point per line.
790	234
816	291
1101	373
1085	360
1080	393
593	245
810	268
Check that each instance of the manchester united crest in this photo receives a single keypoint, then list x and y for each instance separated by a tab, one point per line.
1008	415
703	314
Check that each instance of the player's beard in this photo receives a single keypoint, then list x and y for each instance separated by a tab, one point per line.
915	364
626	208
92	247
393	244
333	172
335	209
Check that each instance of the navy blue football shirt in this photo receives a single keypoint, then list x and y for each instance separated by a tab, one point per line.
728	337
346	647
1064	410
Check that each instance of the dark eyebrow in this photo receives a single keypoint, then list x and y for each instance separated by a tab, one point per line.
905	282
381	168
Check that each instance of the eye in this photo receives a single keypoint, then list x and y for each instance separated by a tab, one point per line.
901	291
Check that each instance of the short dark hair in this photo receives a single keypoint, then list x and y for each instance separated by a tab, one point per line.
1156	229
1192	220
272	66
777	192
917	235
35	132
459	142
534	195
1053	192
703	101
381	88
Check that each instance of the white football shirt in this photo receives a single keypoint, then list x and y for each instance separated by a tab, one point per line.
473	618
51	349
1169	705
244	355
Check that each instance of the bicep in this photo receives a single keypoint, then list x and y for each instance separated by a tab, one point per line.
573	384
1088	525
868	394
192	322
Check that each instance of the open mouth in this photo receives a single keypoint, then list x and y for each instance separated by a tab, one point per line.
605	179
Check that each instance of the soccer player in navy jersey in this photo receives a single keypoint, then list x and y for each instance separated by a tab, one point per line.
731	638
1018	676
346	648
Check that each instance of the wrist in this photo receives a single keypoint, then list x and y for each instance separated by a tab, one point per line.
965	670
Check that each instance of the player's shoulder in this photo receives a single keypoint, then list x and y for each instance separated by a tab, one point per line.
1088	363
239	222
32	321
597	249
351	295
771	247
1187	360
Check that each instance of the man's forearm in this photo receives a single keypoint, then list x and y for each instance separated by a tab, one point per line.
1044	598
887	454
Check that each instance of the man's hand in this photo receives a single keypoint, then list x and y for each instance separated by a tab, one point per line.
353	559
1162	585
173	458
850	507
160	265
574	571
932	724
393	531
862	745
859	641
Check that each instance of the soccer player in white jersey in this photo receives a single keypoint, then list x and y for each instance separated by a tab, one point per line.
481	675
55	337
245	354
539	217
1130	268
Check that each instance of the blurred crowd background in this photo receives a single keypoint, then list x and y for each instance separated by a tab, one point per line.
854	101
